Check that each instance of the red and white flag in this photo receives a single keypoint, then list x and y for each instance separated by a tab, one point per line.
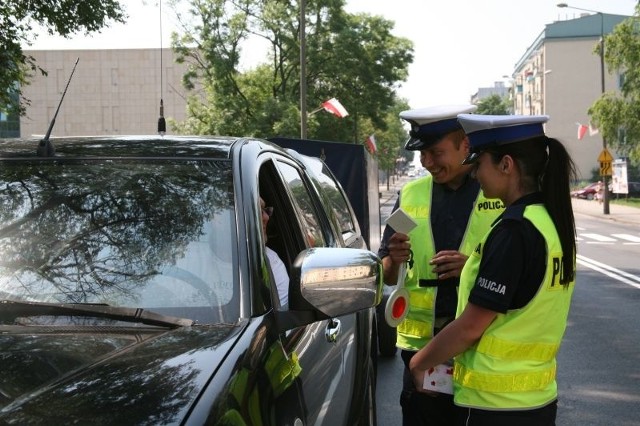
335	108
582	130
593	130
371	144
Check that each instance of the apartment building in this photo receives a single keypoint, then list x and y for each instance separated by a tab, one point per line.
112	92
499	89
560	75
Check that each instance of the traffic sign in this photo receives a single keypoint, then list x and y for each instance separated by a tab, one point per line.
605	168
605	157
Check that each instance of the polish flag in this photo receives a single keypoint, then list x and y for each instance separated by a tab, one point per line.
582	130
593	130
335	108
371	144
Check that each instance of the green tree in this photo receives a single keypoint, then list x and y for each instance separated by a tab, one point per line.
617	114
353	58
17	21
493	105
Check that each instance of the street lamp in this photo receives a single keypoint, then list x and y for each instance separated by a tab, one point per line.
605	190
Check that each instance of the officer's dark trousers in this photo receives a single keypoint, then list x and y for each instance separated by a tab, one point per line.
420	409
545	416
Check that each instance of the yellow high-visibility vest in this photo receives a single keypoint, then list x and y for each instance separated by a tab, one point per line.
513	365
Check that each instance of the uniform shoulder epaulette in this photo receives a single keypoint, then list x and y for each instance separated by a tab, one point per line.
514	212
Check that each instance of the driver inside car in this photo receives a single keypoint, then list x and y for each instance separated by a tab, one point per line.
278	268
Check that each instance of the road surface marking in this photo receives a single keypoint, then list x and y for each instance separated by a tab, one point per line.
599	238
628	237
609	271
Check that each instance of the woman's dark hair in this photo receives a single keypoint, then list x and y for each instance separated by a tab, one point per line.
546	166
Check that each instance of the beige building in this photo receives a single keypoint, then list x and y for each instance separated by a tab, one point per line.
560	75
112	92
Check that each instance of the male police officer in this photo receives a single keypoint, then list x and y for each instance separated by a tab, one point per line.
452	216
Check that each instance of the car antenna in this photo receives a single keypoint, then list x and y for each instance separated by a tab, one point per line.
162	124
45	147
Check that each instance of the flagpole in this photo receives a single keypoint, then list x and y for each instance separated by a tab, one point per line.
315	111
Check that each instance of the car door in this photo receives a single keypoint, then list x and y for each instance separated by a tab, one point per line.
325	350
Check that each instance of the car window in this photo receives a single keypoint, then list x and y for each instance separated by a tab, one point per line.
157	235
310	220
339	208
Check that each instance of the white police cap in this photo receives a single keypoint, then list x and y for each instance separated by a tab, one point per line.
485	131
429	125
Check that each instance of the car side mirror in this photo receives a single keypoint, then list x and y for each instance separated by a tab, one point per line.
331	282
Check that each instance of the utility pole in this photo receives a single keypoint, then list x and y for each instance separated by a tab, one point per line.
303	71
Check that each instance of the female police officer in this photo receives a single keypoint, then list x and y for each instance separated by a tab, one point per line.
515	289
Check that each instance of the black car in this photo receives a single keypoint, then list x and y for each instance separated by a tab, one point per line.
134	286
634	189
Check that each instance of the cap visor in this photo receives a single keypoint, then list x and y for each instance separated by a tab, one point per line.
414	144
471	158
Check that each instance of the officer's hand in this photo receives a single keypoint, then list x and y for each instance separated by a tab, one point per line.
399	248
418	382
448	263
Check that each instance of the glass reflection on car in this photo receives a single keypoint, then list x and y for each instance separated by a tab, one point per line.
156	235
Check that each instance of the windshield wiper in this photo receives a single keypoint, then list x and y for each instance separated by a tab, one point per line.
10	309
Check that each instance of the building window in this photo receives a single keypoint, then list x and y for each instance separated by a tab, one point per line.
10	121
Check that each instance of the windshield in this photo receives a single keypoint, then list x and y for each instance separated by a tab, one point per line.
158	235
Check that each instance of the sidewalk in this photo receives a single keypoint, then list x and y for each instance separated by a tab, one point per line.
390	195
617	213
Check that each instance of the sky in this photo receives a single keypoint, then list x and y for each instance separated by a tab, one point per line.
459	45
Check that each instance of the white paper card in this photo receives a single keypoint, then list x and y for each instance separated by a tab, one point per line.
401	222
439	379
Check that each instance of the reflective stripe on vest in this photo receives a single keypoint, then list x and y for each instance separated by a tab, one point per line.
493	346
513	365
517	382
416	200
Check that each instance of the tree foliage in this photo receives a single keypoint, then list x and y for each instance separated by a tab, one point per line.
64	17
353	58
493	105
617	115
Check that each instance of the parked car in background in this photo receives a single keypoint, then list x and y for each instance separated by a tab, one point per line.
634	189
135	286
588	192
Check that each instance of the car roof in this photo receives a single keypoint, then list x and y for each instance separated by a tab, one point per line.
125	146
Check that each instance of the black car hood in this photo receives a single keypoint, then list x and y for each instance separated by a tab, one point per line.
56	376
